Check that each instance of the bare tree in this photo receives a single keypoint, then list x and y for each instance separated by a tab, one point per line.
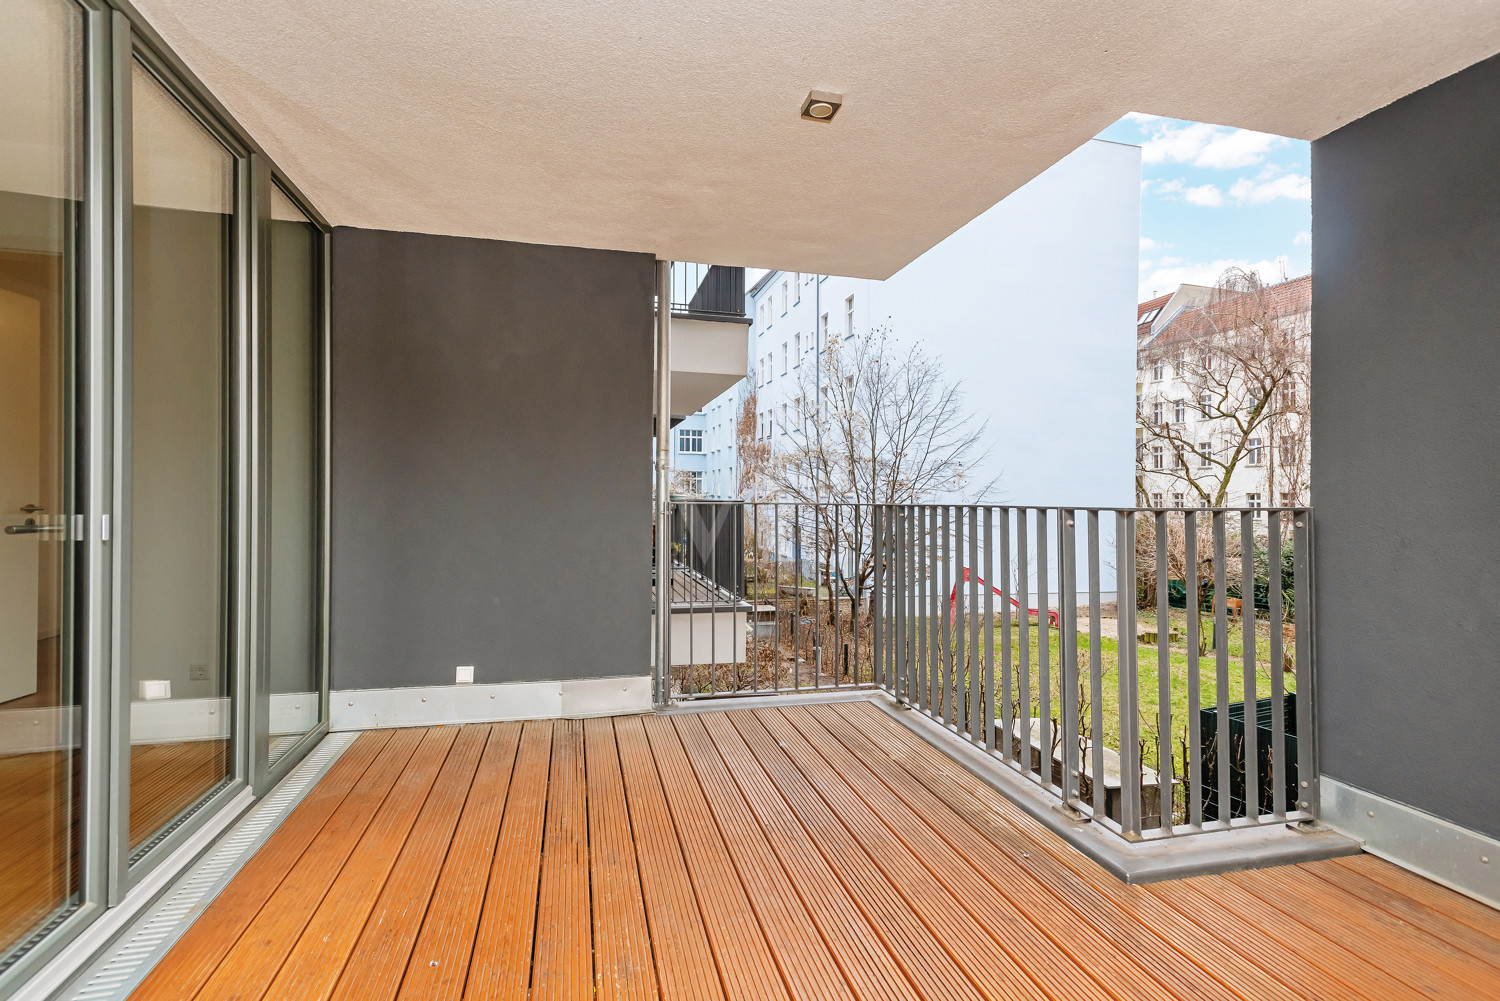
752	454
872	424
1240	363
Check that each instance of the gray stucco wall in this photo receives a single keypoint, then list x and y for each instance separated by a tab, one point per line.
1406	448
491	460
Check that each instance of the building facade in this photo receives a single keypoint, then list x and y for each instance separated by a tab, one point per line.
1222	409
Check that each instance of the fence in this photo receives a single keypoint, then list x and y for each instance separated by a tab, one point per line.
1185	705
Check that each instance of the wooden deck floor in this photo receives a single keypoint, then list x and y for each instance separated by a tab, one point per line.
795	852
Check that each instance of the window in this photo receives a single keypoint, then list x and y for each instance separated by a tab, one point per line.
797	288
1288	499
765	312
1205	452
1206	360
1179	412
1137	404
1156	371
1252	501
849	317
797	343
1254	453
1179	364
1288	453
1156	412
785	357
692	481
823	328
1148	316
783	298
690	440
1158	460
1206	405
1289	396
783	418
1156	500
1177	500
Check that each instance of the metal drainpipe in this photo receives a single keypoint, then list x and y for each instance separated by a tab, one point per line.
662	669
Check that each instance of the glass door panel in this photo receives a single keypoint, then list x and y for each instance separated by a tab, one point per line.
292	375
41	715
182	222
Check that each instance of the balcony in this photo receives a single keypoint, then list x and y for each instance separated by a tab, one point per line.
797	851
708	333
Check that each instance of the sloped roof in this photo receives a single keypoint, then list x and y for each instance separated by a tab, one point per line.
1285	298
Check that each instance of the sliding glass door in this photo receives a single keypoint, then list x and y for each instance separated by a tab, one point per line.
179	462
42	144
163	469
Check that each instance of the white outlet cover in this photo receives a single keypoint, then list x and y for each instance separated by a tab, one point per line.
465	675
153	690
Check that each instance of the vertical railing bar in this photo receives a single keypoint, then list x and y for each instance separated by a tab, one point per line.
692	616
1067	623
713	615
1130	748
754	597
1096	673
835	578
1164	767
1195	671
776	599
989	629
1303	609
796	597
1043	647
945	625
1252	686
974	665
957	620
1221	665
1023	614
909	635
817	616
920	602
1278	706
1007	725
878	622
934	612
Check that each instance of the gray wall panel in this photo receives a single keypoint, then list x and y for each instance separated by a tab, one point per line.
491	460
1406	448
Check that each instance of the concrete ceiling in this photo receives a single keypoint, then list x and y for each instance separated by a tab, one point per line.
672	127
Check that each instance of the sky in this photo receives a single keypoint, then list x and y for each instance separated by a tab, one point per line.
1214	197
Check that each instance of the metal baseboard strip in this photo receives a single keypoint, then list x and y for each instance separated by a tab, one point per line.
1141	862
121	963
723	703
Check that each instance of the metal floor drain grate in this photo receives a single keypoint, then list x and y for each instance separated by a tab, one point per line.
127	962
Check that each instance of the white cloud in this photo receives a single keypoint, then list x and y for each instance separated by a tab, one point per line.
1293	186
1211	146
1204	194
1302	239
1148	244
1167	276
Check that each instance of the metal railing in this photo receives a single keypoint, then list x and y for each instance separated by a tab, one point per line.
708	290
1117	658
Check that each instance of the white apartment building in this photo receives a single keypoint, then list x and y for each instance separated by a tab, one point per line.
1193	425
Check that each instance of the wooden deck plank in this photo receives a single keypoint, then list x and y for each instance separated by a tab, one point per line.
1430	964
924	959
1482	946
1245	922
855	945
439	963
623	966
685	964
971	945
374	968
252	961
999	817
501	963
200	949
746	967
313	966
795	937
1057	972
1480	917
1109	951
562	967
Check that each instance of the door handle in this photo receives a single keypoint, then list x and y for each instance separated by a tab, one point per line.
32	528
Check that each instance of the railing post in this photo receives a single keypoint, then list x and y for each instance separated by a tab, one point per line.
1164	769
1130	749
1278	703
1307	736
1067	624
663	661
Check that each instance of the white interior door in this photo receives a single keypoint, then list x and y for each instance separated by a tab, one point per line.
20	487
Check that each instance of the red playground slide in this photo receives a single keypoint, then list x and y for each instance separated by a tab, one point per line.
1052	619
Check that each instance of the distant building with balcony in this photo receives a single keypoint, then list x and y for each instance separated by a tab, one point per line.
1189	426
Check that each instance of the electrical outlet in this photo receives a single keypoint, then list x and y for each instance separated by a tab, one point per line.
466	675
198	672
